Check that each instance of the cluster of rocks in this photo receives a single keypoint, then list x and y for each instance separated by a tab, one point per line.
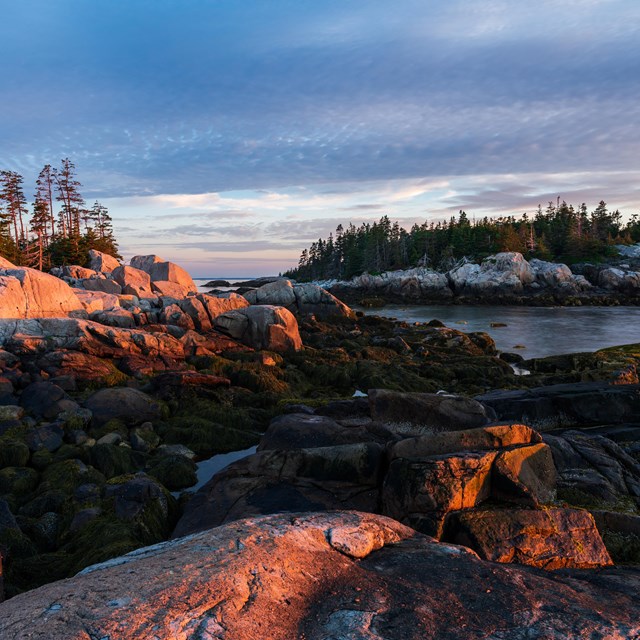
86	475
430	461
504	278
152	295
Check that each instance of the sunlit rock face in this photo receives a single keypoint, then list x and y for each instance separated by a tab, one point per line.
319	576
29	293
163	271
99	261
261	327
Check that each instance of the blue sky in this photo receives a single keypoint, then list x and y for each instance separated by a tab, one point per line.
229	134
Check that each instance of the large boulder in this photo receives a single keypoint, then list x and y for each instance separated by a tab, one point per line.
546	538
46	400
96	300
482	439
618	279
160	270
550	274
104	285
129	405
77	272
299	298
594	471
99	261
169	289
261	327
415	413
216	306
506	272
420	492
29	293
322	575
133	281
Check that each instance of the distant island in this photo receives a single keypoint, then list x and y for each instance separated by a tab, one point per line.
561	232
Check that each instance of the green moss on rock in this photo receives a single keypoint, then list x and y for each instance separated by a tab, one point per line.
13	453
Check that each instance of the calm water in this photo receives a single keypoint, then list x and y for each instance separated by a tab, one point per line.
542	331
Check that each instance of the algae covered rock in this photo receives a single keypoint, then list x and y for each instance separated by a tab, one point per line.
129	405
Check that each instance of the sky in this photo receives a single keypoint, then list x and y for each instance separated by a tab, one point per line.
227	135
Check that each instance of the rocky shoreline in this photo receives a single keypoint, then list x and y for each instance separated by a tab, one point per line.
116	379
505	278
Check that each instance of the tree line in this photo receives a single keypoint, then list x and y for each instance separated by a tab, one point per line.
57	227
561	232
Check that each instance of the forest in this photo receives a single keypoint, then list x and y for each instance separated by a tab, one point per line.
561	233
57	227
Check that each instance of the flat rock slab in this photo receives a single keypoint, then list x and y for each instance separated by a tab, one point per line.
561	405
481	439
320	576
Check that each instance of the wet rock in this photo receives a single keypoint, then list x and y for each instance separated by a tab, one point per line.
413	413
18	481
13	453
11	412
142	499
549	538
48	437
112	460
323	576
85	370
83	518
46	400
594	471
175	472
337	477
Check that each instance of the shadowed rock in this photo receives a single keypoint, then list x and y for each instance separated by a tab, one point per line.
425	412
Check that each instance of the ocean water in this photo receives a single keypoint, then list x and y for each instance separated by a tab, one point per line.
533	332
